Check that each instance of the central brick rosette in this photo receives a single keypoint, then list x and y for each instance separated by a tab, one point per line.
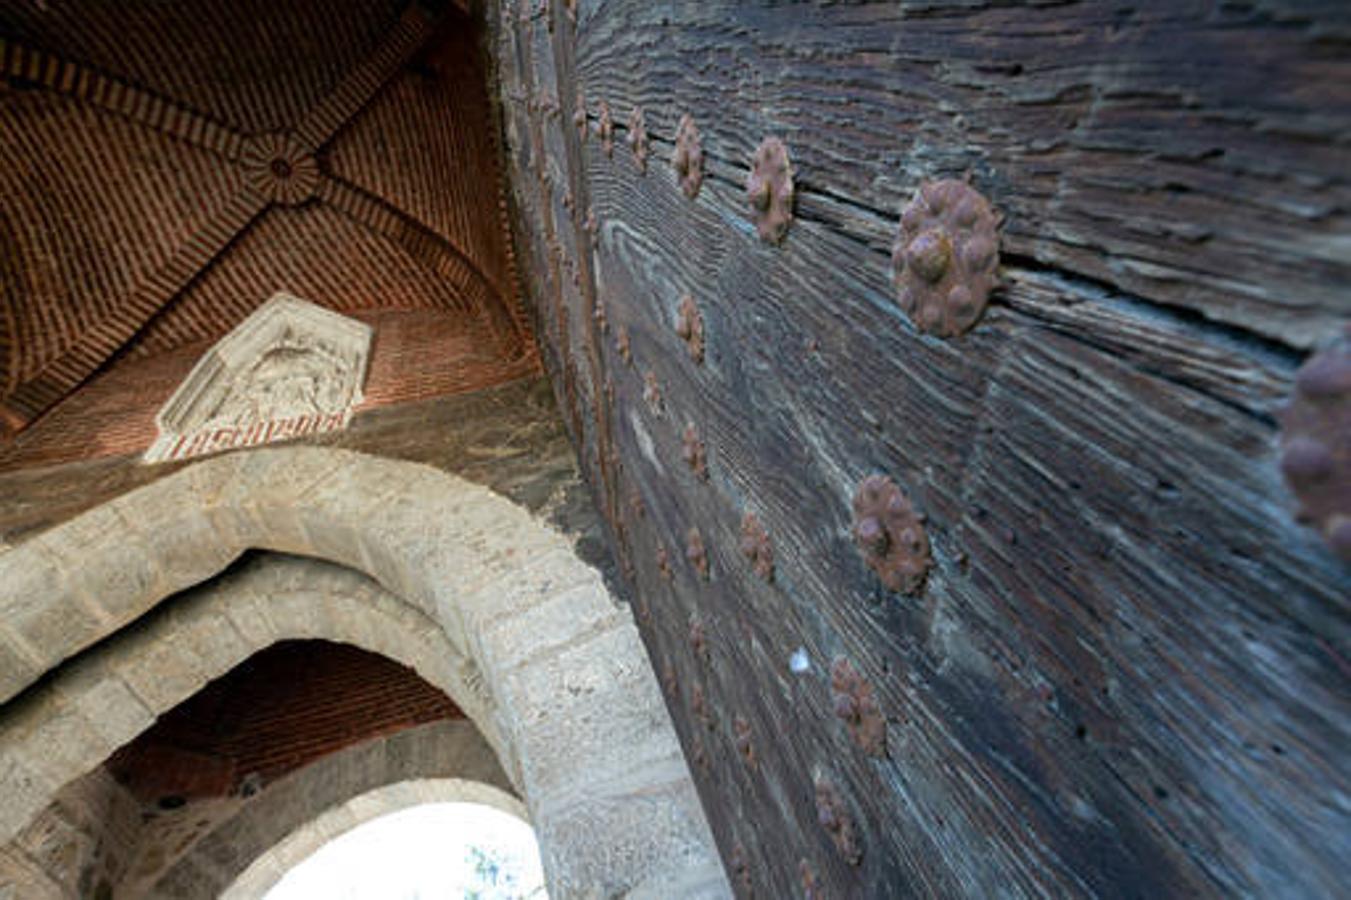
279	168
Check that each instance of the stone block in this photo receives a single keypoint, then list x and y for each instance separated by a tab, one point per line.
536	578
37	606
97	693
249	611
609	846
18	668
521	633
162	673
26	791
183	538
586	715
64	746
107	563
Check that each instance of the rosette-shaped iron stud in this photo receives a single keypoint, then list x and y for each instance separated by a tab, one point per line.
579	117
696	553
688	159
769	190
1316	443
690	327
854	703
755	546
605	128
890	535
834	816
637	138
946	257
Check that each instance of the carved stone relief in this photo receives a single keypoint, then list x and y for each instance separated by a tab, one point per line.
290	369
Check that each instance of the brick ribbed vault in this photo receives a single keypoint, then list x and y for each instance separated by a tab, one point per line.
128	183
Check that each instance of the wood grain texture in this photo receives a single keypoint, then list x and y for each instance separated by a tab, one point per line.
1126	675
1191	154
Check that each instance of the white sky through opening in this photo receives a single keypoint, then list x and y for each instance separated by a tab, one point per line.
436	850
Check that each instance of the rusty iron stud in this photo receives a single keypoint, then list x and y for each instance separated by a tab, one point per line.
1316	443
698	639
769	190
854	703
602	323
579	116
890	535
690	327
688	158
755	546
699	753
946	256
592	226
741	869
811	888
699	707
694	453
652	393
605	128
834	817
741	729
637	138
696	553
622	345
664	563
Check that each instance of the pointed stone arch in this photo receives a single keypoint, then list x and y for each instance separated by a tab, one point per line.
551	668
267	869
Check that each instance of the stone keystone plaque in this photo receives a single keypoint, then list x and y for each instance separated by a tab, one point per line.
290	369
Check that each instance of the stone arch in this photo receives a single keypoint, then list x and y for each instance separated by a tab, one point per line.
247	853
553	670
267	869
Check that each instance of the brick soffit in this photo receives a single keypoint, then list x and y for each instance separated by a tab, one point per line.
281	168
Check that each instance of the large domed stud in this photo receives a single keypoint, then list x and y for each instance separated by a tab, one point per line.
769	190
946	257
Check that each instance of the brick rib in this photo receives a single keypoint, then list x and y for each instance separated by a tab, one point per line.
356	89
119	98
100	341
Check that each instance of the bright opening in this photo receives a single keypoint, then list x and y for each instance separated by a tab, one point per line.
438	850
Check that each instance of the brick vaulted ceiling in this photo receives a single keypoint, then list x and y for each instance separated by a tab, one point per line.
165	167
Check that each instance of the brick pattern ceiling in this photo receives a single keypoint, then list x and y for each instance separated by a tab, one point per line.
165	167
280	709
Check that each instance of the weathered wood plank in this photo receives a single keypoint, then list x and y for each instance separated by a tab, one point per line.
1192	156
1124	623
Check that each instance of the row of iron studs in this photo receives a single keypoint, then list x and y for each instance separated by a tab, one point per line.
944	266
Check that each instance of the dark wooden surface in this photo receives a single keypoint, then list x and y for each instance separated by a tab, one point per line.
1127	674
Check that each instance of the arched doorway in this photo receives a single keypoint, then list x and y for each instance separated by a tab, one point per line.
492	606
328	834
